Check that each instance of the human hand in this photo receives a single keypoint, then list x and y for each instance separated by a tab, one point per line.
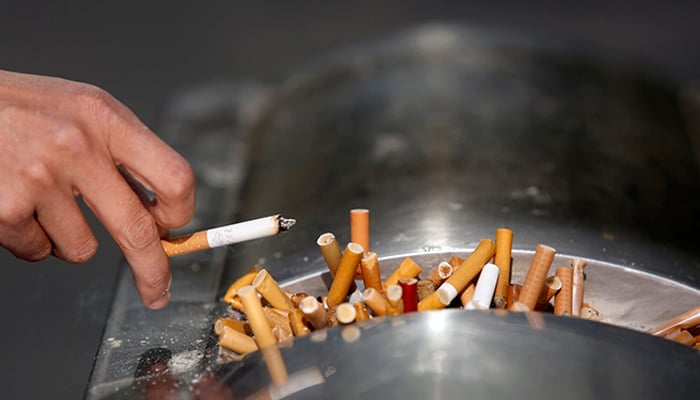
61	139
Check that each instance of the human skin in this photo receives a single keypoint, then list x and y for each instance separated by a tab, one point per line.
60	140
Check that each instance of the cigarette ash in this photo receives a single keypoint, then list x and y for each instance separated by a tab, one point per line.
185	361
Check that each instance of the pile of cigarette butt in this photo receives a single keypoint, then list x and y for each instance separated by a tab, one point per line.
479	281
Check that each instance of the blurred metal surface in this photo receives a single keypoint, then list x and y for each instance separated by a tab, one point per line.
445	135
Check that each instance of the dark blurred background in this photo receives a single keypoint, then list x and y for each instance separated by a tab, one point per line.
145	52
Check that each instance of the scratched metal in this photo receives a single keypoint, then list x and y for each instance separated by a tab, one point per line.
445	135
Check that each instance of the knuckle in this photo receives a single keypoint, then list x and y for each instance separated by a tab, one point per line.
140	232
14	214
181	185
72	141
96	100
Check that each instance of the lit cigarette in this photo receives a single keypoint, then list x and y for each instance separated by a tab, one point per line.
485	286
536	274
551	286
315	313
393	296
361	310
513	294
330	250
460	278
271	291
226	235
371	274
244	280
407	269
409	297
237	341
345	276
231	323
296	320
441	273
577	286
375	301
256	317
504	245
345	313
359	227
686	320
563	299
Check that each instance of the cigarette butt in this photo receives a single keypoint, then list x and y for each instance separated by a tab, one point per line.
296	320
461	277
330	250
536	274
485	286
375	301
409	297
564	298
298	297
456	262
315	313
236	341
682	336
393	296
519	306
551	286
696	346
279	323
371	274
362	313
227	235
407	269
440	273
359	227
502	258
686	320
271	291
513	294
425	289
345	275
275	365
231	323
245	279
256	317
588	312
345	313
577	286
468	293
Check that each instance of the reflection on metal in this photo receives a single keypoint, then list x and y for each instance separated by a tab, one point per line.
445	135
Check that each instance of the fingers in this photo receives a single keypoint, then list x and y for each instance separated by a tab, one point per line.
134	230
25	239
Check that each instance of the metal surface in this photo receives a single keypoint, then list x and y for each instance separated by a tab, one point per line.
445	136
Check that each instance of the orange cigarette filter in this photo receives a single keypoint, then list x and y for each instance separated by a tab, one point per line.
256	317
279	323
359	227
440	273
345	276
236	341
231	323
468	294
330	250
513	294
371	274
563	298
502	259
425	289
362	313
298	297
394	303
271	291
460	278
275	365
345	313
536	274
245	279
315	313
407	269
456	262
297	321
577	286
550	288
682	337
686	320
375	301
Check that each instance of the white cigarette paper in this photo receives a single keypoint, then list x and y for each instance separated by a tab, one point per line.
485	286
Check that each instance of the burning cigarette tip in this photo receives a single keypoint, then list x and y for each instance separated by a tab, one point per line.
286	223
